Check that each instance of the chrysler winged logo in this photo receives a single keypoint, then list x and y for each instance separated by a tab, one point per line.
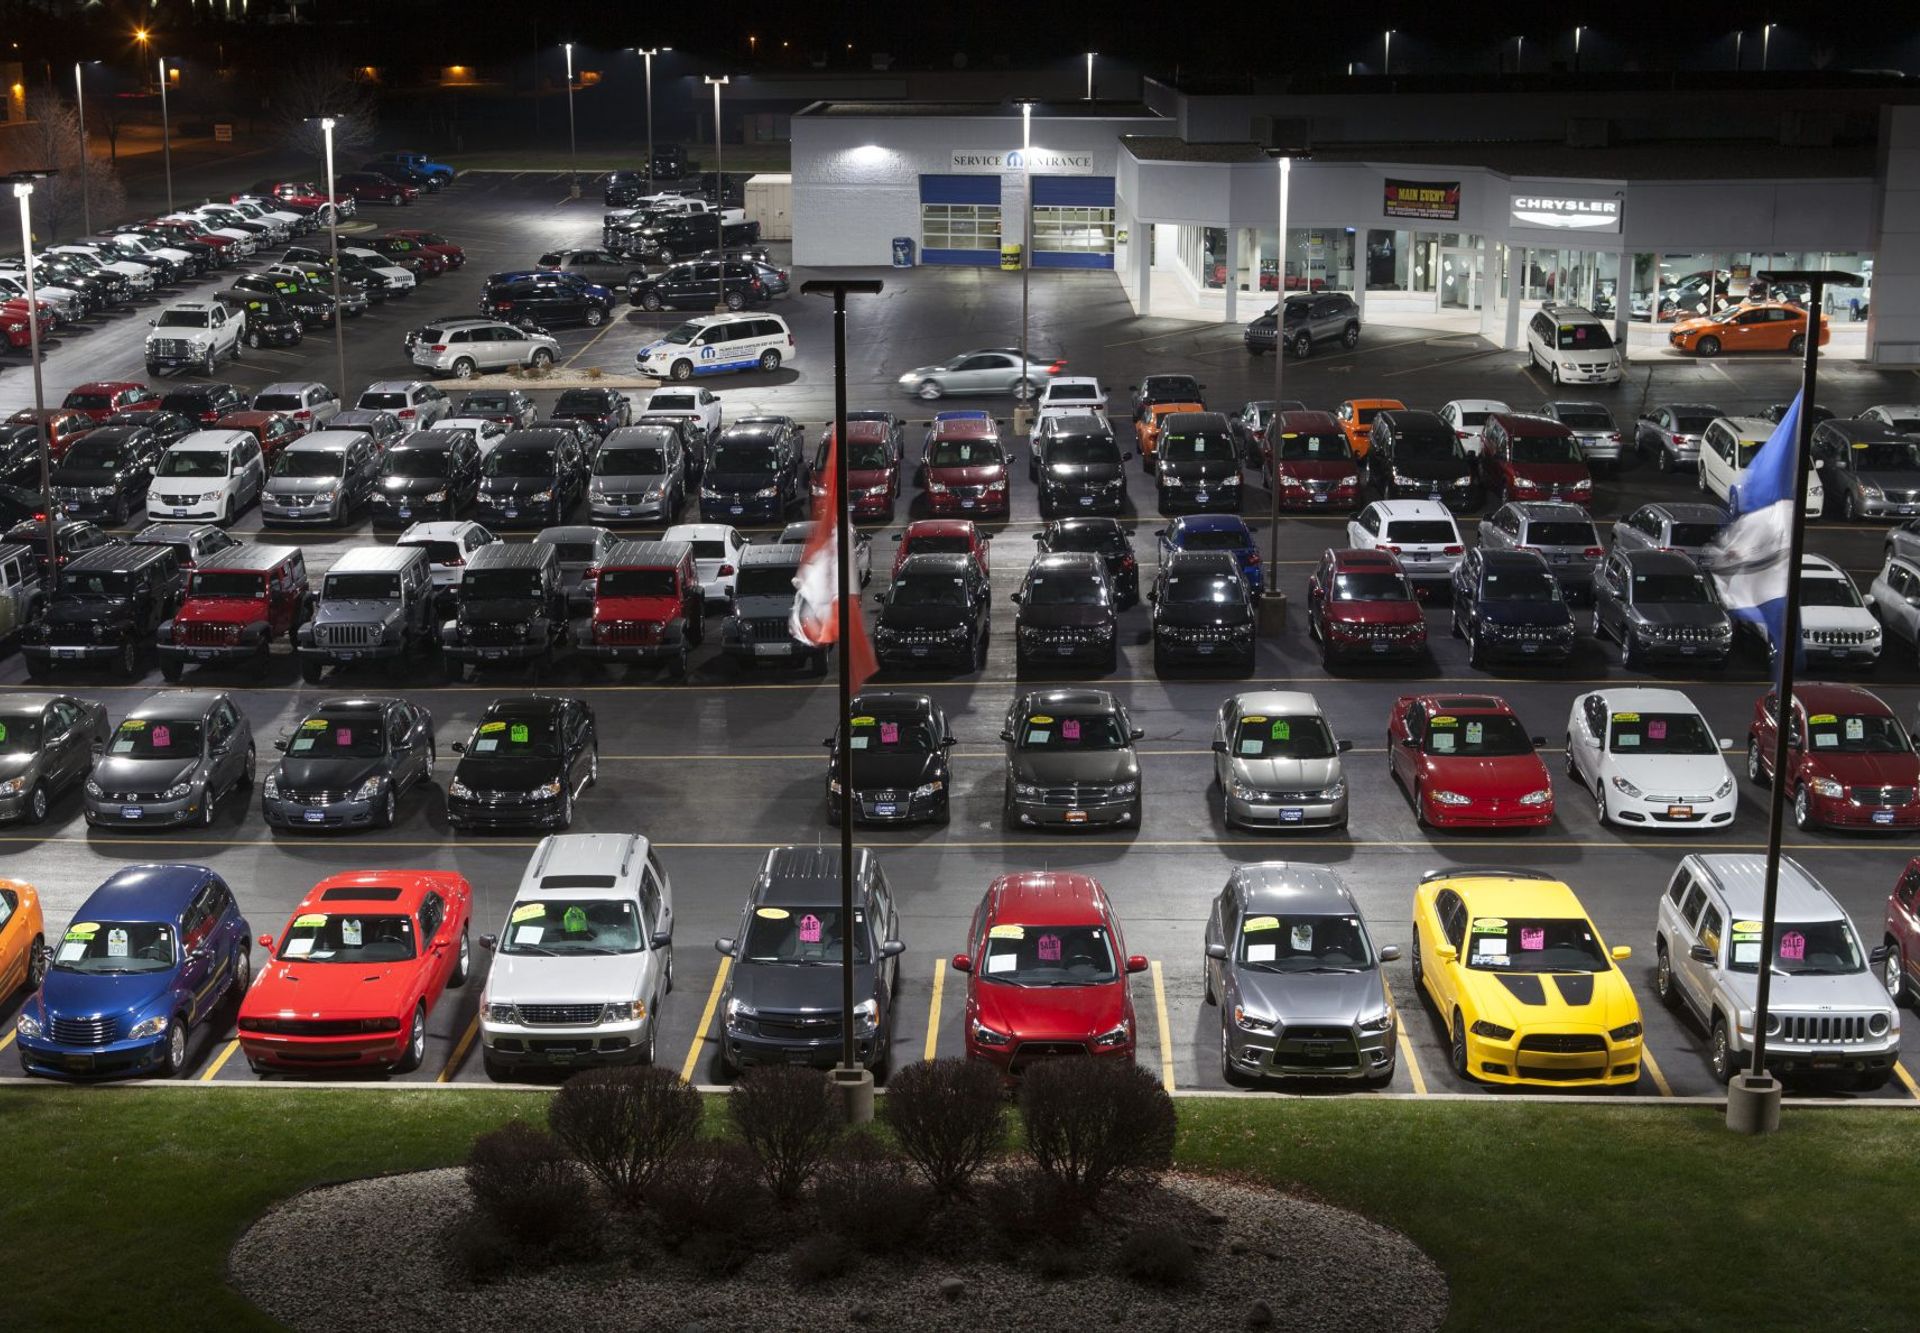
1566	214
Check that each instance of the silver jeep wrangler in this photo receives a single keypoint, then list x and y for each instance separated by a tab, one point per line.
376	603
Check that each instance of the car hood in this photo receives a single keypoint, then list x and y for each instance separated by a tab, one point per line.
1069	615
1319	469
1836	617
412	485
1037	1013
1672	774
482	773
573	979
740	481
221	610
83	476
1891	481
85	994
979	475
905	769
1090	766
861	479
1678	613
500	610
1434	468
1282	774
635	608
1856	990
1199	614
1331	998
752	608
793	987
337	774
1374	613
1509	776
355	611
301	485
1598	1000
13	765
1083	474
922	617
517	485
331	990
639	481
1552	474
1526	613
143	775
1900	769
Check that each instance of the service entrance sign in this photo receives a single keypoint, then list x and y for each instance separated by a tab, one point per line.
1040	161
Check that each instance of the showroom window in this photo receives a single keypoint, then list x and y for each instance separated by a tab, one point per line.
960	226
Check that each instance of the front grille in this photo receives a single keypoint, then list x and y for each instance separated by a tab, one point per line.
1029	1051
1881	795
1690	634
559	1015
129	797
1822	1029
176	501
346	636
1387	633
85	1031
73	632
1203	633
1316	1034
923	637
769	629
323	1027
205	634
1840	636
639	632
493	632
171	347
1077	795
1544	1074
301	500
800	1027
1563	1043
316	797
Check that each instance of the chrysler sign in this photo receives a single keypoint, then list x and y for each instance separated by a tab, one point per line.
1545	210
1040	161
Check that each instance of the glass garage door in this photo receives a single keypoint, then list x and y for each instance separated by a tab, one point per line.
1073	222
960	220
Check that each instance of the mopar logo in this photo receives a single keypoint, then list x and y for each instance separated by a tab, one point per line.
708	353
1016	160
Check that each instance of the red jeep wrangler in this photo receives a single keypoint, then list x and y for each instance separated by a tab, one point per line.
647	605
238	601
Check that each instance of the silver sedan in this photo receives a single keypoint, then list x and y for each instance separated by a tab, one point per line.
1278	763
992	370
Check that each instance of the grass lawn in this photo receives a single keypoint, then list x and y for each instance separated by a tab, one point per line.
735	157
1563	1217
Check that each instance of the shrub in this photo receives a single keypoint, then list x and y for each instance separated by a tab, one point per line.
710	1188
525	1184
1024	1208
789	1117
1156	1254
948	1116
479	1251
1095	1122
716	1255
865	1194
821	1257
1056	1260
623	1124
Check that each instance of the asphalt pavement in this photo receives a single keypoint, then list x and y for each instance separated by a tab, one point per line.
729	763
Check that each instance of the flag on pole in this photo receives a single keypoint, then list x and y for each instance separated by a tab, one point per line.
1748	560
816	605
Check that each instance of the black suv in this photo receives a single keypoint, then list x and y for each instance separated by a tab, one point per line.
756	471
267	321
167	428
1106	538
205	403
531	477
665	239
623	187
1416	456
1202	611
600	409
699	286
512	608
900	770
71	538
938	610
426	474
108	605
105	473
1198	464
546	299
1659	604
1079	467
1066	612
313	308
1508	604
1323	317
526	761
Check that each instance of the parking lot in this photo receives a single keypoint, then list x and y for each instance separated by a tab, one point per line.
729	763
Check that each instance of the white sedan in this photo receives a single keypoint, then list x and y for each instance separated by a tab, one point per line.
1650	760
716	555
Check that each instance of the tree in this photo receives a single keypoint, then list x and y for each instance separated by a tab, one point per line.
318	88
52	141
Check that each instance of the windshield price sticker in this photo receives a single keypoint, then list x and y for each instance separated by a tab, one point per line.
1070	730
810	929
1047	948
1627	740
1856	728
518	734
300	948
1252	747
1626	717
1742	929
1656	731
116	943
1793	947
488	728
310	921
1003	962
574	920
83	930
889	733
1490	925
1253	721
1300	937
134	724
314	724
529	934
860	742
1283	731
772	913
162	737
1040	720
1038	736
1007	933
861	721
301	744
1262	953
71	951
352	934
528	912
1475	730
1256	923
1533	938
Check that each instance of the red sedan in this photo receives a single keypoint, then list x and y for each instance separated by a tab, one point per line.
1046	973
1902	967
1468	763
364	960
942	536
103	398
367	188
1852	764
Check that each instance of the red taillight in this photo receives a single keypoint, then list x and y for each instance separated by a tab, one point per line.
455	563
1461	434
304	414
1253	557
1679	440
789	340
1615	437
1056	367
1593	552
1127	562
592	574
725	570
405	413
438	347
1454	550
1392	548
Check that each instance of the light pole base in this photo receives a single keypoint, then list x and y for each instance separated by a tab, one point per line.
1273	612
1753	1104
1022	419
576	189
855	1087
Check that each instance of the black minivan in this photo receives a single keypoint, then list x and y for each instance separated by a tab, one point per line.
700	285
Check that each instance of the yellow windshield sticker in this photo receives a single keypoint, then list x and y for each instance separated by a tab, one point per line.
527	912
1747	927
83	930
1822	720
862	721
134	724
1039	721
1443	721
1626	717
1253	721
772	913
1255	923
488	728
1490	925
310	921
314	724
1007	933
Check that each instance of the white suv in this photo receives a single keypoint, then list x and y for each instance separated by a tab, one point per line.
1650	760
1571	344
1727	449
448	543
1467	419
584	959
715	343
1421	532
1836	624
416	403
211	475
199	334
308	402
464	347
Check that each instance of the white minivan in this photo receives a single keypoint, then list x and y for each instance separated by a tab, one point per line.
1572	345
210	475
715	343
1727	449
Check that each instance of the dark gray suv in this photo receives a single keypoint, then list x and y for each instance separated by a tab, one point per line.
1658	604
376	603
1323	317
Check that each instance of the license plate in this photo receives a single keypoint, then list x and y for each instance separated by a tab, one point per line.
626	513
1433	497
560	1057
737	509
1321	499
1380	646
512	513
1291	814
1679	812
1826	1062
1688	650
769	649
179	513
78	1064
202	655
1840	652
73	507
1086	500
1883	816
131	812
966	504
1200	496
919	652
886	809
1076	816
492	654
1204	649
406	513
316	816
66	654
1066	650
1529	648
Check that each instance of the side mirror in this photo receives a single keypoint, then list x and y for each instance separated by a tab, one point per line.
1127	457
898	535
1137	962
827	741
1700	953
892	948
1216	951
1016	598
1134	733
1867	600
724	945
1038	536
1621	953
961	963
1726	742
280	745
948	742
662	938
1007	736
1343	746
1880	954
1219	747
1538	740
1153	594
266	941
1446	953
458	747
489	942
1389	953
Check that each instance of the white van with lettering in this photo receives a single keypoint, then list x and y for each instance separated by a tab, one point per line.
712	344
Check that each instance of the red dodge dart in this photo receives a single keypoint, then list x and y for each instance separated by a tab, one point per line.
1468	763
1852	764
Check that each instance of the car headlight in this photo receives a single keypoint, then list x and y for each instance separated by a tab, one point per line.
655	492
1246	792
1540	797
1402	479
458	788
1116	1035
986	1036
13	786
708	493
546	790
1452	798
1621	784
833	786
936	488
1828	788
271	788
1351	479
1125	788
1773	1025
1333	793
93	788
369	789
1878	1024
1026	791
26	1026
738	1012
209	497
1380	1022
624	1011
149	1027
1873	632
1170	481
1493	1031
767	493
1724	790
866	1017
1625	1032
1251	1022
436	497
540	497
326	496
1871	491
930	788
502	1013
179	791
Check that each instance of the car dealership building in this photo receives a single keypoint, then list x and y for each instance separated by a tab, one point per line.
1464	209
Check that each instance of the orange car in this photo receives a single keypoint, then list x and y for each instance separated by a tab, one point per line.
23	954
1147	433
1761	326
1356	420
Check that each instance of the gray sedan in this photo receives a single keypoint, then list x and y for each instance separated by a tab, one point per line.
1277	762
1293	967
990	370
47	744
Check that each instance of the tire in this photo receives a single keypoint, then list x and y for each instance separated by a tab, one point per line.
495	1071
1023	390
463	369
1476	654
1663	983
463	965
242	976
129	659
1631	657
1413	963
384	819
254	339
1803	810
1663	459
929	390
944	815
39	958
734	301
1895	975
416	1043
1350	337
1707	347
1798	347
226	512
312	669
650	301
1420	806
175	1063
170	670
245	781
1720	1057
769	361
209	806
36	812
1458	1049
1206	973
566	808
646	1052
682	371
1234	1078
1302	345
595	317
1756	770
1600	806
666	256
833	810
208	365
1009	820
540	359
1848	510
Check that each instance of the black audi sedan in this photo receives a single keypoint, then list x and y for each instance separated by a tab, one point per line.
1202	612
347	763
899	743
935	612
1066	612
524	765
1071	761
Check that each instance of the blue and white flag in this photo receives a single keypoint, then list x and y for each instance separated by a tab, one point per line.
1748	560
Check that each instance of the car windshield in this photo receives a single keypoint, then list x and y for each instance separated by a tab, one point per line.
479	403
1521	585
1691	535
1302	737
1174	389
20	734
1694	423
884	735
1365	415
1063	589
1857	733
1546	449
182	319
1220	588
1885	456
938	544
1561	534
88	401
1214	539
1584	418
929	590
1422	532
637	583
515	737
1048	956
765	581
1298	448
371	401
1316	943
115	946
586	401
221	583
309	463
1535	944
964	453
194	463
339	736
427	463
745	458
802	935
105	455
1083	731
1424	448
1821	591
681	336
1800	948
519	462
1099	540
1371	586
560	926
482	585
1485	736
362	587
359	937
1199	446
866	456
1673	589
1583	338
1661	733
97	583
155	738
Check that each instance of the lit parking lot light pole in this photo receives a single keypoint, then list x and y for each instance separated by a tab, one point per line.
333	235
1021	415
80	104
647	53
1090	56
1271	606
573	144
23	191
166	133
719	194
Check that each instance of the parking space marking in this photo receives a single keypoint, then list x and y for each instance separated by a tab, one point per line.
220	1061
1166	1034
1898	1069
460	1051
605	329
933	1013
1407	1057
7	1041
706	1021
1653	1067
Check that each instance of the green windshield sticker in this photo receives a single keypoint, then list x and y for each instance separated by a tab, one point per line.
527	912
575	921
3	731
310	921
518	735
1282	731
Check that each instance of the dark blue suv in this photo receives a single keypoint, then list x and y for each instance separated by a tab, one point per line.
1508	604
153	952
1214	532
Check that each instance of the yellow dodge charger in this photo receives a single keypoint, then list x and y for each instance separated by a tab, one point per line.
1529	991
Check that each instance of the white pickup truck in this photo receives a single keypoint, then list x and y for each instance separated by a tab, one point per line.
199	334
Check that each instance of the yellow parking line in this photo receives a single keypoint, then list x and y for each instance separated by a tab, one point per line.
933	1013
706	1021
1653	1069
219	1064
1166	1035
7	1040
605	329
1407	1057
1898	1068
459	1051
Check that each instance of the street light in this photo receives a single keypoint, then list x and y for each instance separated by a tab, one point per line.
166	133
1020	416
1766	41
720	199
333	234
1285	159
1090	56
1386	58
1577	30
80	102
1739	45
23	191
1519	52
573	146
647	53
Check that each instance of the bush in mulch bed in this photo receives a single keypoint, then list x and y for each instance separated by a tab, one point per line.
949	1117
865	1194
625	1124
532	1202
1095	1123
789	1116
